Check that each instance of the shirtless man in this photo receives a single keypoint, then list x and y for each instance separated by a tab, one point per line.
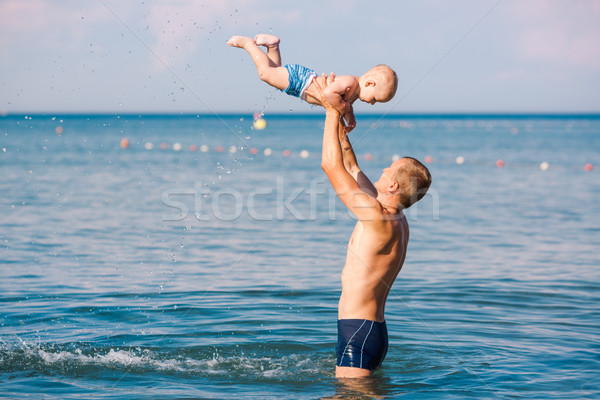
377	247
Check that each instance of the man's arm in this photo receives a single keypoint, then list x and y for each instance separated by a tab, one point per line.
362	204
351	164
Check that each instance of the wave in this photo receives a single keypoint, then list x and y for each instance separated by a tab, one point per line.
242	360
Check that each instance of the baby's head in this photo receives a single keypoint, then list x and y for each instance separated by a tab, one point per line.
405	182
378	84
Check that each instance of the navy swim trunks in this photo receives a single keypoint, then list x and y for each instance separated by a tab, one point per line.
299	79
361	343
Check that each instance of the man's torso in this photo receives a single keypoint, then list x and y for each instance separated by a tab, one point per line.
373	261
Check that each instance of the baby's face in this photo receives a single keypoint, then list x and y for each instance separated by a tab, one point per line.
372	93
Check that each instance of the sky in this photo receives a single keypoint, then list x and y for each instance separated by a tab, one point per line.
464	56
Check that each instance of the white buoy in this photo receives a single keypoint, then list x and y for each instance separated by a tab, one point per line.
232	149
204	148
544	166
304	154
268	152
176	146
149	146
460	160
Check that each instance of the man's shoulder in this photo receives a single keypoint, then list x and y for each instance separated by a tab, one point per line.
384	221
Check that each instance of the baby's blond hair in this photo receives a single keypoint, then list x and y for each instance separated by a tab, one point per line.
386	77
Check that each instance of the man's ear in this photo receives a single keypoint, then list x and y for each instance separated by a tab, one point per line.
393	187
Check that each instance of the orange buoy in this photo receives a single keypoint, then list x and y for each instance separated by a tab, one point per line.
193	147
500	163
589	167
124	143
428	159
219	149
286	153
253	150
368	157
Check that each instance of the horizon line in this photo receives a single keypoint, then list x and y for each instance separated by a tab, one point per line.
279	114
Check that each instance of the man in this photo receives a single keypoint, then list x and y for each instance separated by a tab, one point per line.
377	247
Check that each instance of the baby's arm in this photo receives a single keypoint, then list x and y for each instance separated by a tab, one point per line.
350	120
335	93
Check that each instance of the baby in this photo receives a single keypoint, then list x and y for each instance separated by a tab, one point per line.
378	84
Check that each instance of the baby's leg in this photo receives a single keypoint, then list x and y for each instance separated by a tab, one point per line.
272	44
274	76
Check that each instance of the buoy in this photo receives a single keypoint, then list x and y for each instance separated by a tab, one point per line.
304	154
204	148
193	147
589	167
232	149
219	149
500	163
164	146
148	145
253	150
428	159
124	143
59	130
177	146
514	130
460	160
260	123
268	152
544	166
368	157
286	153
395	157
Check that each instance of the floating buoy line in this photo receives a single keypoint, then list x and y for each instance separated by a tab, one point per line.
305	154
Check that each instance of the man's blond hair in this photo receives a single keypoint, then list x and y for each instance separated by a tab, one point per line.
413	180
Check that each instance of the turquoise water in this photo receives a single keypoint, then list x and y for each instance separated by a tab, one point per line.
156	273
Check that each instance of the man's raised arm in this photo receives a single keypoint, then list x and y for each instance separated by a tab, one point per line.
351	164
360	202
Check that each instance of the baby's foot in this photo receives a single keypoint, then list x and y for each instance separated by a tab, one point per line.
264	39
239	41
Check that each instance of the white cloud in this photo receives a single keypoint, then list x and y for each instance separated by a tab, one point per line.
40	24
511	75
560	32
182	27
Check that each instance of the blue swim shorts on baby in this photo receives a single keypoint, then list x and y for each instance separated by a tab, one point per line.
300	78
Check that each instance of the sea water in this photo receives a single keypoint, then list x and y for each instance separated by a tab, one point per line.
192	256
